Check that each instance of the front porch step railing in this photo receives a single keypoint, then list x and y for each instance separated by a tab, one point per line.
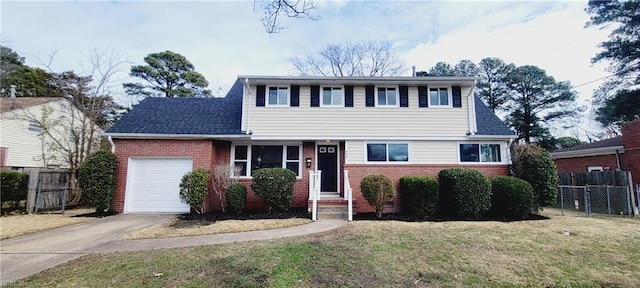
330	206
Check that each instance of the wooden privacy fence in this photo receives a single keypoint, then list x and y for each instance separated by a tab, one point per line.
610	190
48	189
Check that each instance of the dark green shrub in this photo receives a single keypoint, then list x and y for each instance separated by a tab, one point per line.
274	186
464	193
535	165
194	188
419	195
13	188
511	198
97	180
377	189
236	197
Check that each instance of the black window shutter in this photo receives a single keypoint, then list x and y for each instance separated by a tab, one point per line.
369	96
295	95
422	96
456	92
315	96
404	96
260	95
348	96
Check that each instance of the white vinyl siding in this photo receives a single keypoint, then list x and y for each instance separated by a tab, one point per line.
307	122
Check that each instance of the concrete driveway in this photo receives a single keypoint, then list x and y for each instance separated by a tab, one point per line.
26	255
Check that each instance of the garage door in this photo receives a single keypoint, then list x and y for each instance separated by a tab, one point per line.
153	185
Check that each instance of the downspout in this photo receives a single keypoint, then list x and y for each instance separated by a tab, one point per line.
247	90
113	145
471	111
618	160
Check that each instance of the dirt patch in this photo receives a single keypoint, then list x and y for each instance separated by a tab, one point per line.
217	222
16	225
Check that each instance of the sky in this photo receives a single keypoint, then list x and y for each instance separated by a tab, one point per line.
224	39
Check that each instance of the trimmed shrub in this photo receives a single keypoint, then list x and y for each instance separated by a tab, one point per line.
377	189
275	187
236	197
97	180
511	198
419	195
13	188
535	165
464	193
194	188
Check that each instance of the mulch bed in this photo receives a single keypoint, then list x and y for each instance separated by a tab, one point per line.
213	216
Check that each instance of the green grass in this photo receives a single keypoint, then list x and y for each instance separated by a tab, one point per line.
599	252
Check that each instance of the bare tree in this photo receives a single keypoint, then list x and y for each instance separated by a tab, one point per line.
365	58
275	9
222	177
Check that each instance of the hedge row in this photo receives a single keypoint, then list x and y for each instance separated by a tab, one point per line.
463	193
13	188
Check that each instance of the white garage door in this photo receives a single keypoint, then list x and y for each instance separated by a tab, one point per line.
153	185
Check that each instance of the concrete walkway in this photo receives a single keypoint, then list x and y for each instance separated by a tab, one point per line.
26	255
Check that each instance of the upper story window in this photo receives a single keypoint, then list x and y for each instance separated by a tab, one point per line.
278	96
332	96
248	158
439	96
35	127
63	108
387	97
480	153
387	152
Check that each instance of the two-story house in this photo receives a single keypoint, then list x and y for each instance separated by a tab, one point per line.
396	126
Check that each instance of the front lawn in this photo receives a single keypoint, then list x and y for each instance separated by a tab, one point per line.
560	252
17	225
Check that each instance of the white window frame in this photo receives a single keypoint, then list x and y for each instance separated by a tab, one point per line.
278	88
34	127
386	143
378	105
435	105
332	104
595	169
503	155
250	156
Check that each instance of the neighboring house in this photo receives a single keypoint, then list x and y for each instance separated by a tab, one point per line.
619	153
396	126
22	141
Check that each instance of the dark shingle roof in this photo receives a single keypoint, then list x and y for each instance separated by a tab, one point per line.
616	141
189	116
487	121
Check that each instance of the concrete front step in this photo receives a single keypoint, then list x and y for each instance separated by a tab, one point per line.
332	215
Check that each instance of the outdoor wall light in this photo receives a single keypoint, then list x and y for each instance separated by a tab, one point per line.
308	162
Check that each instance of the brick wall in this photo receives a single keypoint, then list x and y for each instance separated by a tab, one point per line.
631	143
201	151
358	171
580	164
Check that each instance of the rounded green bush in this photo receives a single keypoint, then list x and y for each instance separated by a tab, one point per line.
419	195
511	198
13	188
97	180
377	189
236	197
535	165
274	186
194	188
464	193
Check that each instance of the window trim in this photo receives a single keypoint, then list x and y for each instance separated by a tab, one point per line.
284	157
387	162
503	156
375	96
332	86
268	88
34	127
449	94
595	168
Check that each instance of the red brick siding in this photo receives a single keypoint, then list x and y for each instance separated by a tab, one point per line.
200	150
358	171
631	143
580	164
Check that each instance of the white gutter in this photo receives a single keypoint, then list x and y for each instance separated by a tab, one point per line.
113	145
172	136
246	92
489	137
471	111
588	152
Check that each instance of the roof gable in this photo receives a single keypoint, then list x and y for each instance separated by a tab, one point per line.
12	104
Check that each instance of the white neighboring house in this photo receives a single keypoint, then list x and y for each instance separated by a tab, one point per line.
24	143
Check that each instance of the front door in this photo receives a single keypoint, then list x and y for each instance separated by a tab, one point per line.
328	164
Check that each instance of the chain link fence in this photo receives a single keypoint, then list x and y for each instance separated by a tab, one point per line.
595	199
